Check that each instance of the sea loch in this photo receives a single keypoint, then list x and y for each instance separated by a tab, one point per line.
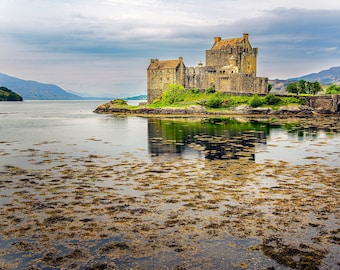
87	191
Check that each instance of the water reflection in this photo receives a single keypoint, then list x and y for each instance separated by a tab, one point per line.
295	140
216	139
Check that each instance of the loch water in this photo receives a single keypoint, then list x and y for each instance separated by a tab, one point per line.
133	191
72	128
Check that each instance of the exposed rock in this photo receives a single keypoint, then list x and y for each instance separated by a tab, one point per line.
298	110
110	107
240	109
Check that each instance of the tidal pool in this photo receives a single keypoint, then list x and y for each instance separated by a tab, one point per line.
197	194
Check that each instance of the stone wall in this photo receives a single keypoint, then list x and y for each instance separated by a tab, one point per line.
327	103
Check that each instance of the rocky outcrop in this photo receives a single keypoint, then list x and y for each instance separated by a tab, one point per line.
284	110
112	108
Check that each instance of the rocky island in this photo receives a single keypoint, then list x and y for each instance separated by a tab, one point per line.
231	105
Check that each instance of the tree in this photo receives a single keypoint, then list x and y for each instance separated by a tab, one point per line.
293	88
333	89
309	87
269	87
304	87
316	88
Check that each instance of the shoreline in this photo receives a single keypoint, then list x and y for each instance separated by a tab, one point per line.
200	111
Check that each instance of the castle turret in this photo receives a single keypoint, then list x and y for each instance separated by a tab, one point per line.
246	41
232	61
182	71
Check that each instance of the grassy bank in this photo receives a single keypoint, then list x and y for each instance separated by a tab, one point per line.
177	96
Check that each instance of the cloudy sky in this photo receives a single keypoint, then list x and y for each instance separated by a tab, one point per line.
103	47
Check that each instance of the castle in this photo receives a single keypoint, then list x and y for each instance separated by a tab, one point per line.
230	67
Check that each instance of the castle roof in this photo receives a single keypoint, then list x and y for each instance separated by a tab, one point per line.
231	42
164	64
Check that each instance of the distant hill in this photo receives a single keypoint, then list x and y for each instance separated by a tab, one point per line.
32	90
8	95
140	97
325	77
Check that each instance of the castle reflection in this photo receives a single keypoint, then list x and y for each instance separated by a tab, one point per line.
213	139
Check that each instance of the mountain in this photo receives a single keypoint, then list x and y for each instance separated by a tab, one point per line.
32	90
140	97
329	76
325	77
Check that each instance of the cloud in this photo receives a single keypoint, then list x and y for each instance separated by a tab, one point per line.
105	45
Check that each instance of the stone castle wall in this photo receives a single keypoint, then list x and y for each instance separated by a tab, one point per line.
230	67
327	103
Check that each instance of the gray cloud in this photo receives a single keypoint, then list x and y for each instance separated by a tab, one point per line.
107	45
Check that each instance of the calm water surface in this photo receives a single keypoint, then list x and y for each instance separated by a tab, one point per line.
68	127
72	128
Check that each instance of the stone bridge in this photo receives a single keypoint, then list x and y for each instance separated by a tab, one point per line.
324	104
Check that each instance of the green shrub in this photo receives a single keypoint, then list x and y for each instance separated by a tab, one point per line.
333	89
292	100
271	99
174	93
255	101
210	89
214	102
119	102
195	91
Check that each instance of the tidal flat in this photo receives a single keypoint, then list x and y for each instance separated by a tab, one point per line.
224	210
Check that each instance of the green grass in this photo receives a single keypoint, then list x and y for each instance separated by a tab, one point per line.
178	97
219	100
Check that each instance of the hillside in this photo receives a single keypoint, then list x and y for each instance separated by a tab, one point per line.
140	97
8	95
325	77
31	90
